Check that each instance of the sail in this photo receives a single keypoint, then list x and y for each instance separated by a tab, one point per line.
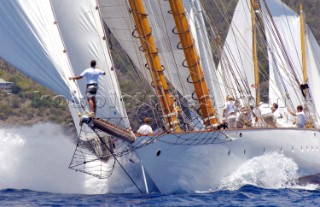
205	53
119	21
30	41
51	41
235	68
313	67
282	28
83	35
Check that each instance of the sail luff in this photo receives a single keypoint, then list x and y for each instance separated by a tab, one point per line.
193	60
156	70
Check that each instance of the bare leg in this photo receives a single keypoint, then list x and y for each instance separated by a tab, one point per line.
94	104
91	104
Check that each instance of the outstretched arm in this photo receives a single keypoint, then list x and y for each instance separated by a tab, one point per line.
292	113
75	78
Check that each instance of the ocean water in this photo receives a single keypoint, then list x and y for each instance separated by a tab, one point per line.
34	172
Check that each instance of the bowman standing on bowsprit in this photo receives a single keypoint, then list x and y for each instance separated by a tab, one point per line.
92	75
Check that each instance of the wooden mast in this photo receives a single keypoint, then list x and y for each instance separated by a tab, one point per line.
193	61
156	70
254	6
303	47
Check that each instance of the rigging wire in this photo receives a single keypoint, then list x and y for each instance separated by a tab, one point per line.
105	144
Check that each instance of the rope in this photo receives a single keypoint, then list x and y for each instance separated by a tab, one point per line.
117	160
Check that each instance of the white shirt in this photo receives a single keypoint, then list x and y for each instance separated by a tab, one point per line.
92	75
301	119
230	108
145	129
277	114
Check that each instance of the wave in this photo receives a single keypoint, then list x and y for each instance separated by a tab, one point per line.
37	158
272	171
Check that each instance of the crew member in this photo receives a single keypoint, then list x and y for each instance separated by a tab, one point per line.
92	75
229	112
145	128
275	111
300	117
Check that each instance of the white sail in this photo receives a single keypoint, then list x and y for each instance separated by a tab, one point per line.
236	64
285	63
117	17
83	35
51	50
208	65
31	42
313	67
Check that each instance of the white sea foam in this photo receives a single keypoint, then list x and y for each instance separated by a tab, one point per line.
271	170
37	158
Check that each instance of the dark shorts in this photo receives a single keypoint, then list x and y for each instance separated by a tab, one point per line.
91	90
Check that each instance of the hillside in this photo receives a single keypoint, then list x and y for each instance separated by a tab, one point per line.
29	102
25	106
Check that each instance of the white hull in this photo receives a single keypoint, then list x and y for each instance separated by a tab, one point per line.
203	159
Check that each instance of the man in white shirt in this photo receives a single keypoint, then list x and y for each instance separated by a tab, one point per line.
92	75
146	128
275	111
229	112
301	117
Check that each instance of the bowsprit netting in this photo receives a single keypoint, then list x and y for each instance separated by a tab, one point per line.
93	155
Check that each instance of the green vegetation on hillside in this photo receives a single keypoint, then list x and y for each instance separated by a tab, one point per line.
29	102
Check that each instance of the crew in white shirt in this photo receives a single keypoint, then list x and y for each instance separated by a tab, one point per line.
300	117
145	128
229	112
275	111
92	75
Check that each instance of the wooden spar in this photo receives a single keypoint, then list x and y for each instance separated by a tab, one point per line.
193	60
112	129
254	6
156	70
303	47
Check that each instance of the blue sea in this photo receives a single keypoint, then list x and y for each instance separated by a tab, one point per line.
245	196
34	172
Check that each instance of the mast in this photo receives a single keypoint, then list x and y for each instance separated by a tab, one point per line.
254	6
193	61
153	61
303	47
